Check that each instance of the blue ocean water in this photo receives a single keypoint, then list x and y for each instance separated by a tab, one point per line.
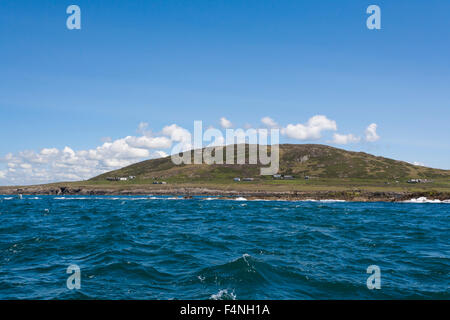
139	247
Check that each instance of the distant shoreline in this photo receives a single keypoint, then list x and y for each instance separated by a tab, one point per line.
354	195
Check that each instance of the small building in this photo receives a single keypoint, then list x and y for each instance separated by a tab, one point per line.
123	178
248	179
282	177
419	181
306	177
237	179
132	177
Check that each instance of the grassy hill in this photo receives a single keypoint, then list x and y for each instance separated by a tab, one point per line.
332	174
319	162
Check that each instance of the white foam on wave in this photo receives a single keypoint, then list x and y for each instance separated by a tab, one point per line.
245	256
426	200
201	278
306	200
223	294
73	198
240	199
119	198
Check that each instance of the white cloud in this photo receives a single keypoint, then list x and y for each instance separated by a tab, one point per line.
417	163
312	130
159	154
25	166
143	129
120	149
269	122
344	138
371	133
177	133
225	123
180	135
52	164
69	153
49	152
149	142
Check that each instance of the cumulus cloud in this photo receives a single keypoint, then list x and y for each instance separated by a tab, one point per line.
149	142
225	123
312	130
180	135
417	163
371	133
345	138
30	167
49	152
52	164
269	122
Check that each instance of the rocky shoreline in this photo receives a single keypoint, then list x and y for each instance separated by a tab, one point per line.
347	195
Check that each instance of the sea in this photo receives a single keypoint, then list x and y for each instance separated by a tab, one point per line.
169	247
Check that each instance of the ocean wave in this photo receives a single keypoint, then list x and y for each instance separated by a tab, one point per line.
238	268
322	200
106	198
426	200
223	294
198	249
243	270
240	199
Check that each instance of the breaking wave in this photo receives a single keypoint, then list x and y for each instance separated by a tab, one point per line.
425	200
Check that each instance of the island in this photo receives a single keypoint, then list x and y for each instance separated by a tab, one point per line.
306	172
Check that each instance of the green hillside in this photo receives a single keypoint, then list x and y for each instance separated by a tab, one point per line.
312	160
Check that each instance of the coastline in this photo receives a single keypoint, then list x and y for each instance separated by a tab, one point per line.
351	195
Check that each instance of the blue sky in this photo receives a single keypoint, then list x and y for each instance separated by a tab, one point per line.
172	62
